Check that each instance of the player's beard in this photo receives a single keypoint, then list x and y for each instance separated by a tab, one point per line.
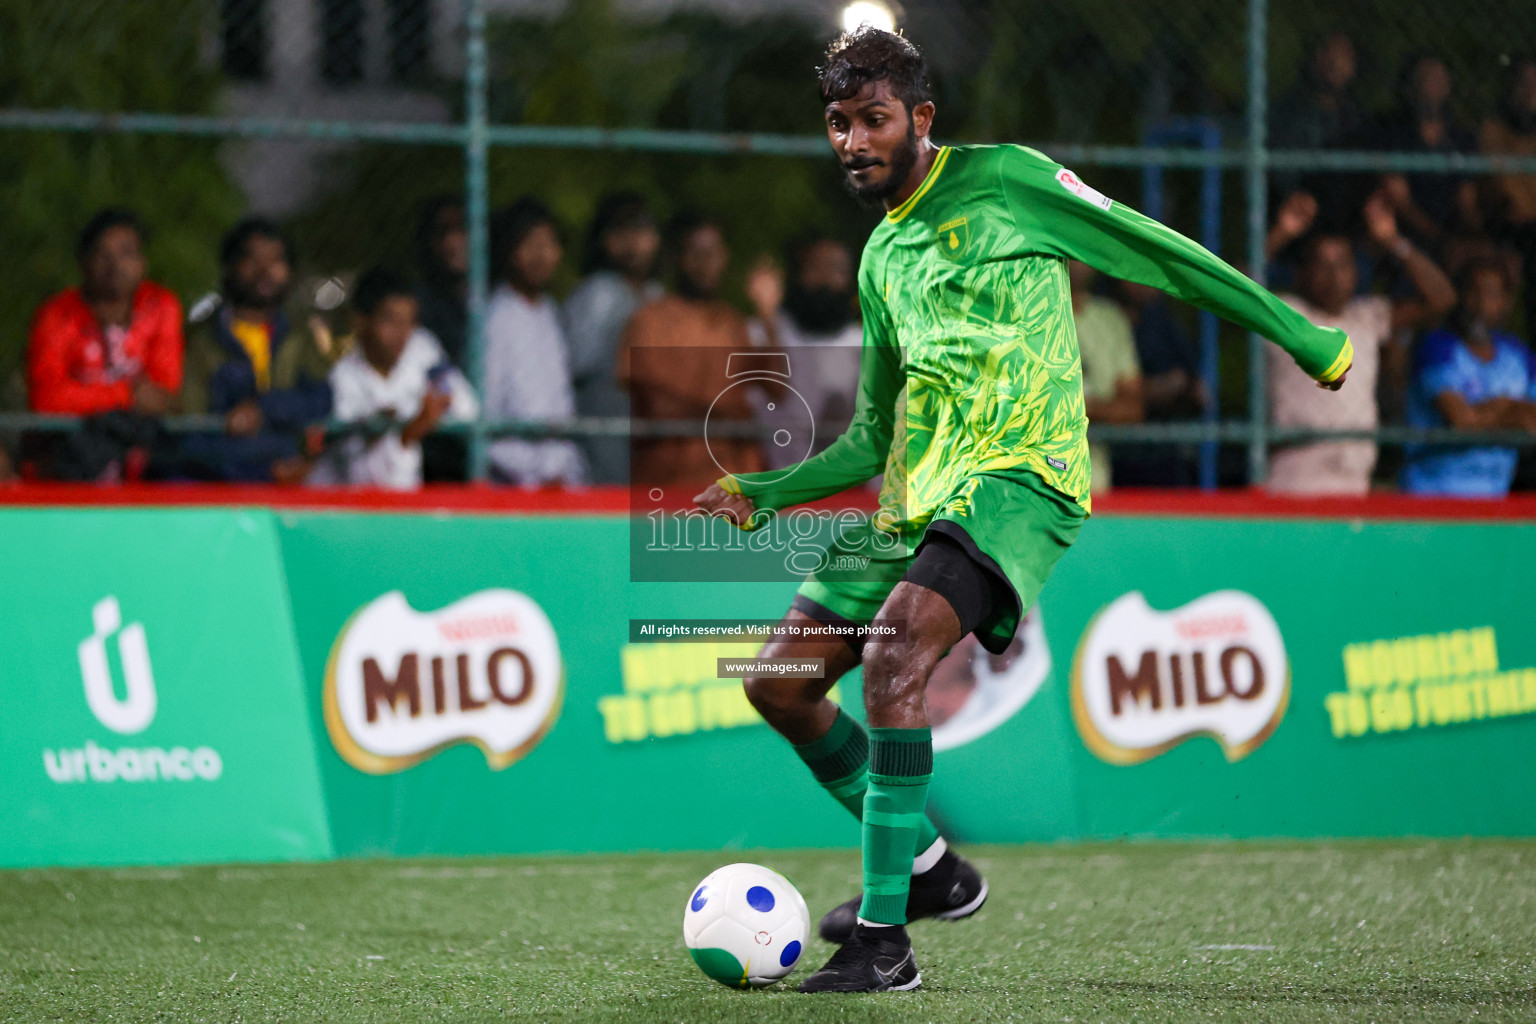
903	159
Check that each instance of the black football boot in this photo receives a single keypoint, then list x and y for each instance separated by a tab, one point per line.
873	960
950	890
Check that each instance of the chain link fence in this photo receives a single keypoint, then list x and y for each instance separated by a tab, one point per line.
355	123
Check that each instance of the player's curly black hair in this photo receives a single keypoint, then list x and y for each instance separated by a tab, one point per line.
868	54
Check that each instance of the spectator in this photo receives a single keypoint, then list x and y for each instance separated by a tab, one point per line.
1295	217
667	383
1112	388
1511	198
527	376
619	263
114	343
813	316
1327	282
247	363
1472	376
111	346
1322	111
396	379
442	256
1171	385
1432	208
442	259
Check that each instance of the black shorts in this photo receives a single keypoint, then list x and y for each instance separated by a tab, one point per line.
943	566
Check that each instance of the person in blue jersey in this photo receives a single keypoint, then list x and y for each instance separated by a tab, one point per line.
1471	375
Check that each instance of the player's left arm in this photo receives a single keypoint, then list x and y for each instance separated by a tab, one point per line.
1058	215
853	458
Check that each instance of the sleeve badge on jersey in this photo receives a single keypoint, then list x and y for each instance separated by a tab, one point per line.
954	237
1072	183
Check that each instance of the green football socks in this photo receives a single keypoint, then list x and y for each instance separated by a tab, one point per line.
900	766
840	762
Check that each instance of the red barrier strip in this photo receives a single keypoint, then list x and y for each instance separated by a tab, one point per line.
447	498
1264	505
473	498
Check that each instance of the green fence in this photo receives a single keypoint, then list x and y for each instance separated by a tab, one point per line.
145	103
217	685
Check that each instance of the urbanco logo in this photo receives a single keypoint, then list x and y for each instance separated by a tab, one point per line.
1143	681
133	713
401	685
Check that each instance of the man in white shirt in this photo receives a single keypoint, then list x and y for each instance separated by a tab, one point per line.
1327	280
619	264
397	380
527	368
814	318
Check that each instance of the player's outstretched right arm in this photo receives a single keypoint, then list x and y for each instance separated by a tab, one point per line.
1057	214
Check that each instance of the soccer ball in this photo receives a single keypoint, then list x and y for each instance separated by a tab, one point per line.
746	926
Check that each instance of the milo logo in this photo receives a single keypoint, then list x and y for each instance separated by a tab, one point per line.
1144	681
401	685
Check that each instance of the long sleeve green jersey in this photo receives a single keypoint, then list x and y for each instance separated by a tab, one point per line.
970	362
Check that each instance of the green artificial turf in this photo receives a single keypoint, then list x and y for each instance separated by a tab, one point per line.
1368	931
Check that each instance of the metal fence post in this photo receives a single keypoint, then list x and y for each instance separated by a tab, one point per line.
476	216
1257	161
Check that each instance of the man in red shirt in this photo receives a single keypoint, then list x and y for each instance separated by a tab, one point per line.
115	342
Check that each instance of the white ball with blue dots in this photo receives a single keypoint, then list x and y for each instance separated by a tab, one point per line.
746	925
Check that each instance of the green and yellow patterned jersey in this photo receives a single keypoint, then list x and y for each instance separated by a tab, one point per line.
970	361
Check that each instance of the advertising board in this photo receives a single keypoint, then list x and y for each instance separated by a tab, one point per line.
190	685
154	707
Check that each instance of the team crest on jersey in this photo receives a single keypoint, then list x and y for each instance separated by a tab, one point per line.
954	237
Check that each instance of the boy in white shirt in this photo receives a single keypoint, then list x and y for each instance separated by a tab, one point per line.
397	379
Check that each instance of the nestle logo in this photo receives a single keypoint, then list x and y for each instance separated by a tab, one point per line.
485	626
1219	625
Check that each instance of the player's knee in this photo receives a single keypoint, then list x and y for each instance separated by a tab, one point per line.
897	672
882	663
772	698
759	693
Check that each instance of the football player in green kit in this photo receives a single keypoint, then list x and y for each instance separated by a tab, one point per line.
971	403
